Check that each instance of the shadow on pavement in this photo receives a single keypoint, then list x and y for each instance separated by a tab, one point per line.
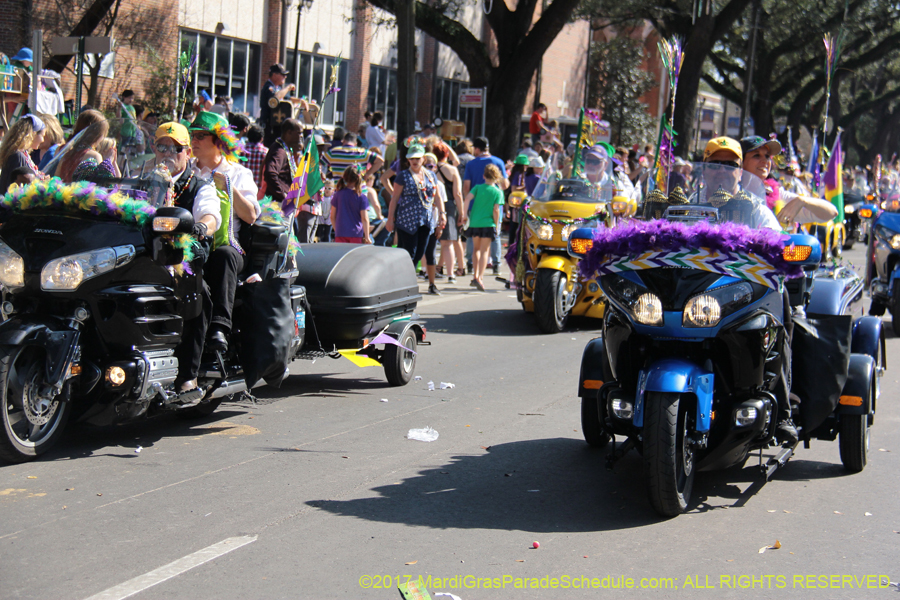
85	441
509	322
549	485
325	384
544	485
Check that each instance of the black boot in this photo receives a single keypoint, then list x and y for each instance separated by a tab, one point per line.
786	433
218	339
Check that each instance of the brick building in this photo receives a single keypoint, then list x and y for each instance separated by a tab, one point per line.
239	39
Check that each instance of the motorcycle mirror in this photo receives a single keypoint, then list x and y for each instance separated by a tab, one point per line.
172	219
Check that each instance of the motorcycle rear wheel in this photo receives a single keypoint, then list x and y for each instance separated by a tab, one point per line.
853	439
895	308
668	459
549	289
32	424
591	427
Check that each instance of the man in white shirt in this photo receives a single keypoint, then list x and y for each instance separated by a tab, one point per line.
215	148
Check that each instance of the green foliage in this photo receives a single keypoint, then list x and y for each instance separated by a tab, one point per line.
617	84
160	88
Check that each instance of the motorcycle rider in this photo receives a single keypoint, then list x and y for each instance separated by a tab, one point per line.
728	152
216	148
172	149
758	153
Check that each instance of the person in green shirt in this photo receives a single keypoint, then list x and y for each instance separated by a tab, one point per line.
484	201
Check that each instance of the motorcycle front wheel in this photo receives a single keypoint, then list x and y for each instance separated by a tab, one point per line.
668	458
33	420
549	300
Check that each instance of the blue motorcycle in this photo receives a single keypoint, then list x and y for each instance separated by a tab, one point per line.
694	362
883	259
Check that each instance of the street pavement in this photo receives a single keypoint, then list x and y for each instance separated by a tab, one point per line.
315	492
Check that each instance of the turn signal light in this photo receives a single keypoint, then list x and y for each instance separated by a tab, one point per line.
796	253
581	246
165	224
865	213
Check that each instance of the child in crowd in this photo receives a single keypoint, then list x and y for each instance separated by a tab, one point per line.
349	209
323	230
485	201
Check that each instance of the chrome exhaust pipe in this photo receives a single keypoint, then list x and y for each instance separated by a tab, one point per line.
231	386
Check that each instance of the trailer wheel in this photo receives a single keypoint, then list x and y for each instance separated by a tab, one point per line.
400	364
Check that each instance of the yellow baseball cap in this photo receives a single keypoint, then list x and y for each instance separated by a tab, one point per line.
723	143
179	133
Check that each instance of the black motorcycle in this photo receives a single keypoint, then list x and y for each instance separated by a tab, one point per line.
94	307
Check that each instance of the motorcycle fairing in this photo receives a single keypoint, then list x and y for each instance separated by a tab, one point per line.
58	342
674	375
855	398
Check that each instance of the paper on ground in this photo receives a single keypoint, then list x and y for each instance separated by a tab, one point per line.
422	435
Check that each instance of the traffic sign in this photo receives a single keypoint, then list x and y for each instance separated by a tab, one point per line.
471	98
92	45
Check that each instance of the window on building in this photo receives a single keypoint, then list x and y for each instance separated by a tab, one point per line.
446	103
312	79
224	68
383	94
708	115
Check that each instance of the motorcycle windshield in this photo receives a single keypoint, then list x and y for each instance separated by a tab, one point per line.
719	193
113	153
595	187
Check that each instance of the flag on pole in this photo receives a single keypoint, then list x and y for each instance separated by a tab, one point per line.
813	156
307	180
834	185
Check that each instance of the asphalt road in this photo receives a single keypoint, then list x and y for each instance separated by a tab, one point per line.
314	492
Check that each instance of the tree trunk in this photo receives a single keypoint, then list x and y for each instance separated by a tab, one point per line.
506	97
94	84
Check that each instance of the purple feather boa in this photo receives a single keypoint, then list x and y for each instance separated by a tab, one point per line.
638	237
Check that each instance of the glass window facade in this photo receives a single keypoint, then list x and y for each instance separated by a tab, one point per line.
446	104
383	94
312	79
225	67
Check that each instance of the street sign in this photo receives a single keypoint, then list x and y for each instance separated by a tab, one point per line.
471	98
92	45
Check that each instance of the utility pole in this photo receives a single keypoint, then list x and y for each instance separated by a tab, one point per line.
748	81
406	72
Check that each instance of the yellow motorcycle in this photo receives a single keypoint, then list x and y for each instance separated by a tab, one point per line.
547	279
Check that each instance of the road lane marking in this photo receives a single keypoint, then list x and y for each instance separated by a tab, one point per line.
173	569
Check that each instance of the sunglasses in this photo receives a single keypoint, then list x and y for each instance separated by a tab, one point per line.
593	161
430	166
200	135
727	163
169	149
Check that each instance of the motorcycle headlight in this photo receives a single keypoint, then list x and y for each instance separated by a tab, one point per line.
12	267
567	231
707	309
702	311
645	306
895	242
544	231
648	309
68	272
849	209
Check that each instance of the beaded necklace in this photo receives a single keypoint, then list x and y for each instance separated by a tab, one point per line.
290	156
186	184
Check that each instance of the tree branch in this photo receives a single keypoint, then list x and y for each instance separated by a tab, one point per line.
452	33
